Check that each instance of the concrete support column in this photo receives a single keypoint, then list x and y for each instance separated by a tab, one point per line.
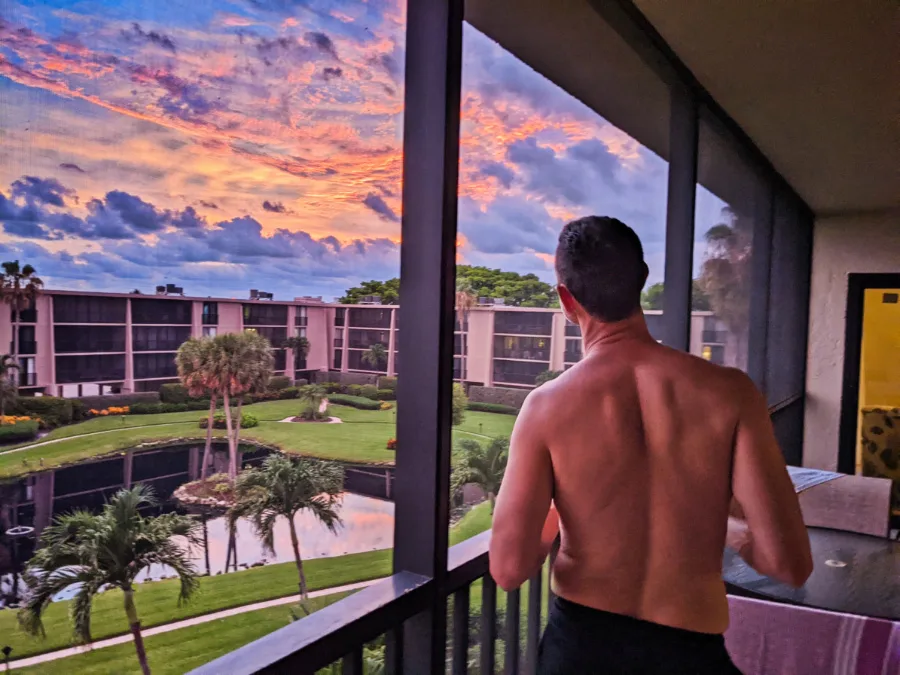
558	342
194	459
346	342
392	342
197	319
42	493
289	362
489	376
128	468
128	385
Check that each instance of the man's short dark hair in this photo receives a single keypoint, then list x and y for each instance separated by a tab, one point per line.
601	261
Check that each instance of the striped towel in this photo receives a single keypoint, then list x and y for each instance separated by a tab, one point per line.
803	479
767	638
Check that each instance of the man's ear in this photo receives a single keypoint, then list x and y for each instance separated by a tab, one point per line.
646	274
568	302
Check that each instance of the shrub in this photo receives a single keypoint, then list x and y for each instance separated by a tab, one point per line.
369	391
79	410
302	382
20	431
262	396
460	400
492	408
385	406
333	387
248	421
51	410
387	383
279	382
157	408
392	444
387	395
117	400
546	376
354	402
354	390
198	404
289	392
173	393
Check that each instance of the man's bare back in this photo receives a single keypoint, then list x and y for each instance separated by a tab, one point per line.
645	447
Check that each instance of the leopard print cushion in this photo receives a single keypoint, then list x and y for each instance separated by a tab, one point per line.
881	447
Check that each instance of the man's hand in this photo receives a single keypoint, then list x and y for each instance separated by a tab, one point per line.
738	537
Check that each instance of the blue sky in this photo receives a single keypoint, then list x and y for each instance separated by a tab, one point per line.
224	145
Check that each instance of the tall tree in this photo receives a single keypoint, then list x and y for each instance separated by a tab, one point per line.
483	465
376	356
283	487
465	301
197	360
652	297
725	277
20	287
389	291
109	549
8	393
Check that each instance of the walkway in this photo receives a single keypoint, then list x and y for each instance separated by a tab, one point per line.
194	621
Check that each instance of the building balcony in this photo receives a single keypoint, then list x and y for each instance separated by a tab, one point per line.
27	379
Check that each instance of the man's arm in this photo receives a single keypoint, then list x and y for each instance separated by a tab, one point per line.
522	514
771	537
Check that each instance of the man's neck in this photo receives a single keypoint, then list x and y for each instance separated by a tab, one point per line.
597	334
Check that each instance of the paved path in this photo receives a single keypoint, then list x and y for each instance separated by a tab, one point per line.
91	433
194	621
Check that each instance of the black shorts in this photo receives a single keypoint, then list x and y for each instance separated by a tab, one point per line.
580	640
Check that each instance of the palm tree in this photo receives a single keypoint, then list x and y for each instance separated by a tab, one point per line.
283	487
299	346
196	361
109	549
465	301
242	363
375	356
483	465
311	397
20	287
7	385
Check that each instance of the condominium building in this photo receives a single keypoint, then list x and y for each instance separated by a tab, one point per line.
74	343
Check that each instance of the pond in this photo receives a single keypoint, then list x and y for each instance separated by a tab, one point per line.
367	520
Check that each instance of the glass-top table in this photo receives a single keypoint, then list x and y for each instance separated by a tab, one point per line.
853	573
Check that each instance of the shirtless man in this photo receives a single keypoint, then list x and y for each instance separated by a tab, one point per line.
635	456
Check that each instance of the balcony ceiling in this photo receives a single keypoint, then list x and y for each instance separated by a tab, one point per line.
815	85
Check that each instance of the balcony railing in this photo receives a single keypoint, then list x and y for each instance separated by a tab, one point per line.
532	354
211	319
339	632
716	337
26	347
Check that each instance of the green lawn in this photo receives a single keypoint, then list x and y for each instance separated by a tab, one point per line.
362	437
182	650
157	601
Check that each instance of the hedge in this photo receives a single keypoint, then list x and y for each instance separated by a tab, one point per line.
387	383
498	395
117	400
387	395
173	393
279	382
18	432
369	391
354	402
492	408
248	421
156	408
52	410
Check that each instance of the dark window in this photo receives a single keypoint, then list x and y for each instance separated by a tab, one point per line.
159	338
523	323
458	344
338	354
533	349
90	368
355	362
573	329
27	315
161	311
300	318
517	372
70	339
340	315
363	339
457	369
299	363
280	359
88	309
27	343
275	336
265	315
152	465
210	313
370	317
573	351
457	328
714	354
148	366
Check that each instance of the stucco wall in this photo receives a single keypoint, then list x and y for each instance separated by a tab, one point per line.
841	245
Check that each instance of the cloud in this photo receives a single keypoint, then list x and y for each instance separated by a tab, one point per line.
139	215
323	43
498	170
510	225
379	206
153	37
36	190
68	166
208	204
330	73
275	207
